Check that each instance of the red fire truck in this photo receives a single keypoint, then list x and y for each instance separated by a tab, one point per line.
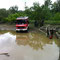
22	24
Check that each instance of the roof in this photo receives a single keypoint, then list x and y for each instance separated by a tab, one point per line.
22	18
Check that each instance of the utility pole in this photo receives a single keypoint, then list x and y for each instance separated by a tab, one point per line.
25	6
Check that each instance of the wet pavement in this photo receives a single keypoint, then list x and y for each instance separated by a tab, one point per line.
28	46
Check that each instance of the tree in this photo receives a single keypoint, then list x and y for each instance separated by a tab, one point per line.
13	9
56	17
12	17
47	3
38	14
56	6
3	14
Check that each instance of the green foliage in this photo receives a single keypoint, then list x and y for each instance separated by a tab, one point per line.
47	11
13	9
56	17
12	18
52	22
3	14
56	6
36	11
47	3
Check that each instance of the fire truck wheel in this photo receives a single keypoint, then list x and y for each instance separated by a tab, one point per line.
27	30
16	31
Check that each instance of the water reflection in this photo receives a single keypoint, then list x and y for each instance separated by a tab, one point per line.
28	46
6	41
36	41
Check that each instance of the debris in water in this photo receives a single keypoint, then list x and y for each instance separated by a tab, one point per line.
5	54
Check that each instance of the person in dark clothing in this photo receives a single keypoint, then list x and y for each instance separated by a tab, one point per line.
49	33
41	22
36	23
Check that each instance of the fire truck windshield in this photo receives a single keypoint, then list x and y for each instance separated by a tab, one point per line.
20	21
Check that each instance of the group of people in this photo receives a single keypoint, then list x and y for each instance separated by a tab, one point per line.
41	23
51	32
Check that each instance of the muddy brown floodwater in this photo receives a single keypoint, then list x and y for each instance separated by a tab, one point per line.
28	46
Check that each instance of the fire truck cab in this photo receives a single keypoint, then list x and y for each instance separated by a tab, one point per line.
22	24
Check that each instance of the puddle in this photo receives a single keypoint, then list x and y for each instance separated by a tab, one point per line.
28	46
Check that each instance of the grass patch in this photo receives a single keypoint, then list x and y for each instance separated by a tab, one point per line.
52	22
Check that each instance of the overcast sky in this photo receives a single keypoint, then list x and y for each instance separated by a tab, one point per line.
20	3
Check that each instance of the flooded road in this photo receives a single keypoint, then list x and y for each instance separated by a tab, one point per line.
28	46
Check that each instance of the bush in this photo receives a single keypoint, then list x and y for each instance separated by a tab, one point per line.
12	18
56	17
52	22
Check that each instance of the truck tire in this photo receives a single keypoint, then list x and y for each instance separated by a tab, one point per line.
17	31
27	30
